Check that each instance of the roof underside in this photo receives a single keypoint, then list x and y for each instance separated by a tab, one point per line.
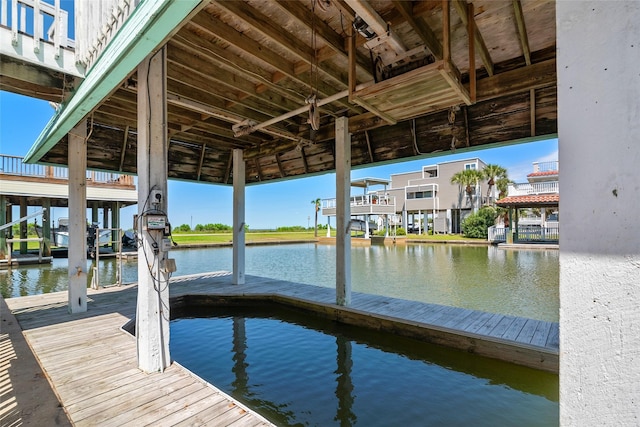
256	60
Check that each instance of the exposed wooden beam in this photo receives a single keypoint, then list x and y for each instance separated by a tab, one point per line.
366	135
541	74
532	98
333	40
377	24
124	147
284	39
204	149
224	32
304	160
446	32
227	174
461	8
522	30
258	171
420	27
471	24
280	168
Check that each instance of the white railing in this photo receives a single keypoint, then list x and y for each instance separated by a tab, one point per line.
527	189
362	200
546	166
498	234
97	22
36	19
537	234
13	165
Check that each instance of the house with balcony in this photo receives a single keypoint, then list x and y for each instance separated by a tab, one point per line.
417	200
533	208
27	185
370	208
427	196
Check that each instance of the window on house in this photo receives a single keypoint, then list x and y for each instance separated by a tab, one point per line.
431	172
420	195
472	166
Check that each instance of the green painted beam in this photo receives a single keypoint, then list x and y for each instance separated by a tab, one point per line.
149	25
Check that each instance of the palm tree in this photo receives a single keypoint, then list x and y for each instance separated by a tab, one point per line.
467	179
316	204
492	173
502	184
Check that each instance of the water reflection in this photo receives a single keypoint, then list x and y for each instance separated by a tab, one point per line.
372	379
522	283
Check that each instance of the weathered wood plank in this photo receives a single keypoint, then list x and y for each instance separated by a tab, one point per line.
92	364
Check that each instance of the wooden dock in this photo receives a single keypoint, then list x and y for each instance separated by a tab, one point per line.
91	362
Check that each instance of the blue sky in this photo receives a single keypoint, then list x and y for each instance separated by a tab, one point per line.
267	205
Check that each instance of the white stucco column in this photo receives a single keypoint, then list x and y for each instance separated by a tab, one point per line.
343	212
77	267
152	316
238	218
598	45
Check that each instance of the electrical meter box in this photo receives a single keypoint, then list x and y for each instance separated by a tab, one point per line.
155	222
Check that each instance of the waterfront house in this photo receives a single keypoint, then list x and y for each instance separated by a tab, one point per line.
428	196
533	208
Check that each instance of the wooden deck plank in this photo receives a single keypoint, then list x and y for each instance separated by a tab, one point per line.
527	332
92	363
541	334
187	386
479	322
154	418
514	329
553	340
501	327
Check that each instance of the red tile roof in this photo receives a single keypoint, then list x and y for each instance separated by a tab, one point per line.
531	200
545	173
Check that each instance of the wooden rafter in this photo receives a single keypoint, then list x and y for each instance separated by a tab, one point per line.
123	151
333	40
421	28
305	165
522	30
285	69
264	25
201	162
461	8
280	168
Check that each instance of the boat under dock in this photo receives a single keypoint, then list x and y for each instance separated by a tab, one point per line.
90	361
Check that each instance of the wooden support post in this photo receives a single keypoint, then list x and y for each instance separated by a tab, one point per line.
77	268
105	216
94	212
472	52
152	317
24	225
446	32
343	212
532	103
352	62
46	227
3	221
116	236
238	217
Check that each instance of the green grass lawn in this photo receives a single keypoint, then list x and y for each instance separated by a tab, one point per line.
196	238
204	238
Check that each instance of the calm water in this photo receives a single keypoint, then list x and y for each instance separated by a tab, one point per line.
516	282
298	371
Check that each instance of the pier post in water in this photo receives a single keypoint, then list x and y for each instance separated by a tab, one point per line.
238	217
343	212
